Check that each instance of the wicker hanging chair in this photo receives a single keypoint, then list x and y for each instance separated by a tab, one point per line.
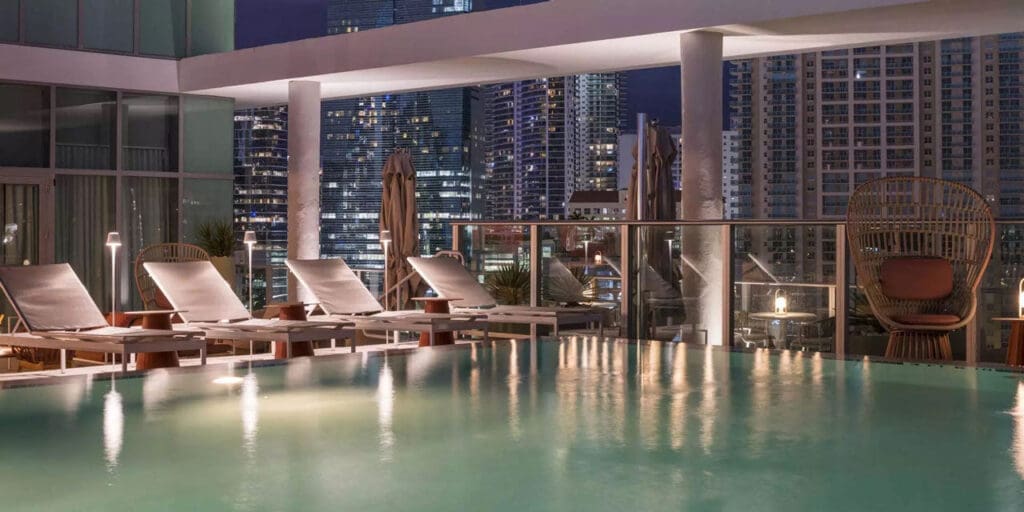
148	291
920	247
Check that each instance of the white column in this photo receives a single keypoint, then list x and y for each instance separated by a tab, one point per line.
303	176
700	59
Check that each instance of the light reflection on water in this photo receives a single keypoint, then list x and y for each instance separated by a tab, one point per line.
558	424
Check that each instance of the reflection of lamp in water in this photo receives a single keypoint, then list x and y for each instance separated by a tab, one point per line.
113	427
781	304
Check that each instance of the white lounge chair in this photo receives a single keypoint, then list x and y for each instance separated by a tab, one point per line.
57	312
208	303
450	278
341	295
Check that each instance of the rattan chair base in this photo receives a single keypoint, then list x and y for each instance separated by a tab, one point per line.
919	345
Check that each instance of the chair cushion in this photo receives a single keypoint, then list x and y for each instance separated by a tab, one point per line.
927	319
916	278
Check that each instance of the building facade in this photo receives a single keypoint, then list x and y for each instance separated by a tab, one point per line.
261	195
549	137
439	128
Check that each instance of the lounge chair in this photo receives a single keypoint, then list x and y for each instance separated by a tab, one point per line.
449	278
342	296
207	302
57	312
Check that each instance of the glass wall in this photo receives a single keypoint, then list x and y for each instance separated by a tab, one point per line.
85	209
150	132
51	22
25	113
86	129
209	128
108	25
158	28
92	186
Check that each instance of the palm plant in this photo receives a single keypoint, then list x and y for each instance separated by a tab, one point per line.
510	284
217	238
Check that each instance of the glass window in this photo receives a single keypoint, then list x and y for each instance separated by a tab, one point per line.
25	117
108	25
86	122
162	27
85	214
150	125
213	26
149	215
51	22
208	132
205	201
9	20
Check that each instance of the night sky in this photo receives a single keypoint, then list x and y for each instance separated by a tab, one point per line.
260	22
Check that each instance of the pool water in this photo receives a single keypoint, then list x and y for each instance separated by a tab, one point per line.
579	424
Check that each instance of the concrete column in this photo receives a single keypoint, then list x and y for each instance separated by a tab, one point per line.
303	177
700	59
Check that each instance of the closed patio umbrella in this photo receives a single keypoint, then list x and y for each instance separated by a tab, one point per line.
398	215
660	202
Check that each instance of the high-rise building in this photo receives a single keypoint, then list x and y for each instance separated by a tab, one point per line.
527	176
595	102
261	194
437	127
549	137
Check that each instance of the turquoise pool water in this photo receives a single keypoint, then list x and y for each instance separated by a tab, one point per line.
523	426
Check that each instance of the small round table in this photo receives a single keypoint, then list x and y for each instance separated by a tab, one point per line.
1015	345
436	305
768	316
292	311
158	320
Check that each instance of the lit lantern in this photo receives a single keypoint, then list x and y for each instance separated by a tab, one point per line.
598	258
781	305
1020	299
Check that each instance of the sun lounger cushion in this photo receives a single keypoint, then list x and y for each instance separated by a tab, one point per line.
334	285
198	290
50	298
449	278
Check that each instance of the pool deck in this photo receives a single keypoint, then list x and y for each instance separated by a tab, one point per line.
14	376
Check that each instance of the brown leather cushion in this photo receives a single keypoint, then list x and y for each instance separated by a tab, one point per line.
927	319
917	278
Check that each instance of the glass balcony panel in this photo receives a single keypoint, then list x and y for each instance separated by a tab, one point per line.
581	265
203	202
162	27
208	130
499	255
86	126
784	287
25	114
9	21
150	125
213	26
149	215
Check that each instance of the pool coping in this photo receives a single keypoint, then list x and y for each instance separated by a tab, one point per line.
51	380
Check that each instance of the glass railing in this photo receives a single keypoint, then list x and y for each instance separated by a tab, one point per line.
785	284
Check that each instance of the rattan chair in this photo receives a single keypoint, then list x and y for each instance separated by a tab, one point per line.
170	253
920	247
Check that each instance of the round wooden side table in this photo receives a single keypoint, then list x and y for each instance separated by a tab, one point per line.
292	311
437	305
159	320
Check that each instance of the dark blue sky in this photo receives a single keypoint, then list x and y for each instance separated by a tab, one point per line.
260	22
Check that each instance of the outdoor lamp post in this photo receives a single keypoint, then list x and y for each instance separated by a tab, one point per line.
586	252
781	304
385	241
113	241
1020	299
250	241
668	241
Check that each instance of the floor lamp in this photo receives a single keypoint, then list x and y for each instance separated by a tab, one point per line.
113	241
250	242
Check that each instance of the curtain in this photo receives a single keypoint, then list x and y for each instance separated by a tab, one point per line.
84	215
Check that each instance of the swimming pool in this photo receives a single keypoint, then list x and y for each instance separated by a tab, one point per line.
569	425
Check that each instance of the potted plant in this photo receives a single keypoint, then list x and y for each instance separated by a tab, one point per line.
510	284
217	238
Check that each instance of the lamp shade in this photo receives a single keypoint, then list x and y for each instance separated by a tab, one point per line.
113	239
249	238
385	236
781	304
1020	299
